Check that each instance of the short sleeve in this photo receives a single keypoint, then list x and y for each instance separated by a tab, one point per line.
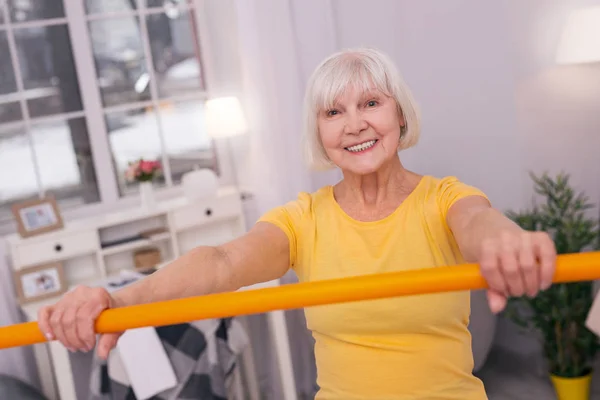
451	189
289	218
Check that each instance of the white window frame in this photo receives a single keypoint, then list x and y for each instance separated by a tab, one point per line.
94	111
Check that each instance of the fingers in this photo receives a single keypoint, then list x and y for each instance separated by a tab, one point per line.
44	322
86	324
86	332
106	343
490	268
57	327
517	263
497	301
529	266
510	265
71	321
546	252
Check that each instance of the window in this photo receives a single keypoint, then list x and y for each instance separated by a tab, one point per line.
88	88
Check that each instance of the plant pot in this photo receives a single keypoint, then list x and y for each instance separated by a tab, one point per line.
577	388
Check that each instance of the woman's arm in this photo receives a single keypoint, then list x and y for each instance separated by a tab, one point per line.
513	261
258	256
473	221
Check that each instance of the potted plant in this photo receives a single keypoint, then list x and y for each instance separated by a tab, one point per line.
144	172
558	314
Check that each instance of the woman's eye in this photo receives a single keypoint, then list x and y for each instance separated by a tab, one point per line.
331	113
372	103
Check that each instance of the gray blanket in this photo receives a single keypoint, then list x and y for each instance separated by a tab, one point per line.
203	355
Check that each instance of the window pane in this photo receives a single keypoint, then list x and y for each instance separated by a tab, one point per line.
64	157
10	109
133	135
175	52
2	11
107	6
120	60
186	141
10	112
7	73
165	3
17	182
48	70
30	10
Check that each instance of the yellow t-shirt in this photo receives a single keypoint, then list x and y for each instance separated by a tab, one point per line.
412	347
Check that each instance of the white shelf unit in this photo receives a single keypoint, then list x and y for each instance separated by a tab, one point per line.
87	259
96	248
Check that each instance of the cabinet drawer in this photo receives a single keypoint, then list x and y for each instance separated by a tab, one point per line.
206	211
57	248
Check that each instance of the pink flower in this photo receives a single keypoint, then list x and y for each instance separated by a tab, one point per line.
132	171
147	167
142	170
130	174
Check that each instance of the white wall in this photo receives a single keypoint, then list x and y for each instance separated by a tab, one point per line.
557	106
494	105
454	56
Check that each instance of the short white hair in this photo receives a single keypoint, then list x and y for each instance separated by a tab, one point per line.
366	69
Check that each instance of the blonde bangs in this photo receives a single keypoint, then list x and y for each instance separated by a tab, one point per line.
343	74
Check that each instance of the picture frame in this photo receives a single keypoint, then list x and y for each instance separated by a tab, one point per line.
40	282
37	216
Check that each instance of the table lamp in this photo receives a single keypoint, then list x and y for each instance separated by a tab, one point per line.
580	40
224	120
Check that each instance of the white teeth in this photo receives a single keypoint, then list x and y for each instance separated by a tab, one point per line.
362	146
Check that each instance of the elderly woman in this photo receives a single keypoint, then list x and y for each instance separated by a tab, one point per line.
380	217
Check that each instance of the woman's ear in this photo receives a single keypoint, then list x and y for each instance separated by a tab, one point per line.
403	129
402	122
401	119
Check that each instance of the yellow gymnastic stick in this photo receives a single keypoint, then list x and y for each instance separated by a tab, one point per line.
570	268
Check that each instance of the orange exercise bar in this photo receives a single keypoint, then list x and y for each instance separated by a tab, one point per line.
570	268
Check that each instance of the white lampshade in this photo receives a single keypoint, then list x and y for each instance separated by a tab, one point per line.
580	40
225	117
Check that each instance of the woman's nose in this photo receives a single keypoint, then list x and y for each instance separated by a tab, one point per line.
355	123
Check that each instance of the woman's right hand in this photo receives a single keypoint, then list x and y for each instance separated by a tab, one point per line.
71	320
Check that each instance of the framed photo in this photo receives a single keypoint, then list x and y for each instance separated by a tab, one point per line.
40	282
37	216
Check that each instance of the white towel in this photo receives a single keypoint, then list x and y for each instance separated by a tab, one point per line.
148	367
140	359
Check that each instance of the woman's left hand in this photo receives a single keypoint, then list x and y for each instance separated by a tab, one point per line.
516	263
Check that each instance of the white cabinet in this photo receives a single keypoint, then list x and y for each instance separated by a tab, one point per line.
57	247
96	248
205	212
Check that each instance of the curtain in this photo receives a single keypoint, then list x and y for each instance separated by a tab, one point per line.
274	69
17	361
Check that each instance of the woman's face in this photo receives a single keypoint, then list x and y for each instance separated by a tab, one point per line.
361	132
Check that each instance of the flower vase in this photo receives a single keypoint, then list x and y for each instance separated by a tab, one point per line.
147	195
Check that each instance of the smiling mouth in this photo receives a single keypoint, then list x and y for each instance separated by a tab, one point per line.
362	146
